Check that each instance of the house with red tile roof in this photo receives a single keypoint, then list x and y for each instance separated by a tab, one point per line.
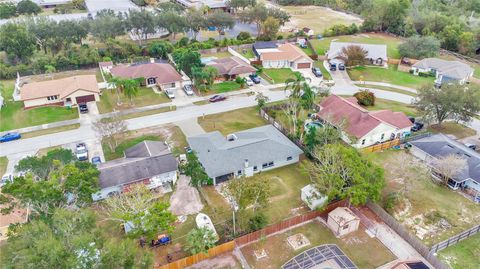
155	74
231	67
363	128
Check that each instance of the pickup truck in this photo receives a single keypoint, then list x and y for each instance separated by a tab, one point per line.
81	152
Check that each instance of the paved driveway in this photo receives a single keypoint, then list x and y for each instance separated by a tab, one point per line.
190	127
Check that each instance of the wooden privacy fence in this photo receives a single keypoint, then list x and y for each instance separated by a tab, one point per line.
187	261
382	146
455	239
285	224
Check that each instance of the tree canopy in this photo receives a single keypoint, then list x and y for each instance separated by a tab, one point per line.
419	47
341	172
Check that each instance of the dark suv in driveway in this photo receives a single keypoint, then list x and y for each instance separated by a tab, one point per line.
83	108
255	78
317	72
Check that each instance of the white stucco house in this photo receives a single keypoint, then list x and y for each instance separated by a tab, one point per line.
243	153
281	55
363	128
444	71
430	149
68	91
376	54
150	163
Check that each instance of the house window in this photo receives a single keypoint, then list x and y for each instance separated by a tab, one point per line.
265	165
363	141
255	168
345	227
173	85
382	136
239	172
289	158
150	81
270	164
52	98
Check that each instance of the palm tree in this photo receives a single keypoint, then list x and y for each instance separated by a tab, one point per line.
296	84
115	81
130	88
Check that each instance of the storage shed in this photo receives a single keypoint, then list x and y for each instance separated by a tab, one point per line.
342	221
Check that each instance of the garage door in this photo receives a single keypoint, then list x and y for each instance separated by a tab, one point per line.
303	65
86	98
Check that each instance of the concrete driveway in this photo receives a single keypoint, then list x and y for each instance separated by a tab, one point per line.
190	127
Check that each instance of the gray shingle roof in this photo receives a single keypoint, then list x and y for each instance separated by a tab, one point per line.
440	145
142	161
258	145
452	69
373	51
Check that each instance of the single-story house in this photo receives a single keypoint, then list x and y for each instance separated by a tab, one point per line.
365	127
199	4
64	92
243	153
155	74
312	197
105	67
409	264
430	148
445	71
148	162
342	221
231	67
376	54
281	55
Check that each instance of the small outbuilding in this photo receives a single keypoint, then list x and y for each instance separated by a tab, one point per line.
312	197
342	221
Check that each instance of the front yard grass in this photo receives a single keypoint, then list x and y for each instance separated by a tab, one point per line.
325	73
463	255
322	45
381	104
145	97
388	75
390	89
169	133
247	53
451	128
424	203
3	165
148	112
353	245
278	75
232	121
226	86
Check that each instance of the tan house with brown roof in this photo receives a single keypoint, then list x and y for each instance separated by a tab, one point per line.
284	56
231	67
155	74
64	92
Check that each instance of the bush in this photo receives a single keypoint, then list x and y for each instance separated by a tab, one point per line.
365	98
390	201
257	221
28	7
243	36
7	10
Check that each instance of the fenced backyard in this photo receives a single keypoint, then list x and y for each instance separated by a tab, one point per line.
455	239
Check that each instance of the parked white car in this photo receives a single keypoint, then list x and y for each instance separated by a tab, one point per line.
81	152
169	93
6	178
249	81
188	89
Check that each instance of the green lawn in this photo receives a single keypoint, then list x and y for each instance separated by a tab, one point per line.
354	245
226	86
51	130
170	133
224	54
422	197
322	45
3	165
307	50
388	75
247	53
464	255
278	75
390	89
13	116
148	112
325	73
145	97
458	130
232	121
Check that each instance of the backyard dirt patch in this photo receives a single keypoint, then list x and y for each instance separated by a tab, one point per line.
223	261
185	200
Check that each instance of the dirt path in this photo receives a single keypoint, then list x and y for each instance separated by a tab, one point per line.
185	200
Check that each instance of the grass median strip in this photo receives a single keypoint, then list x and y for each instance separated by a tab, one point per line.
148	112
51	130
3	165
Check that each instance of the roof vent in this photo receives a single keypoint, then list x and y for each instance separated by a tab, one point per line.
231	137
